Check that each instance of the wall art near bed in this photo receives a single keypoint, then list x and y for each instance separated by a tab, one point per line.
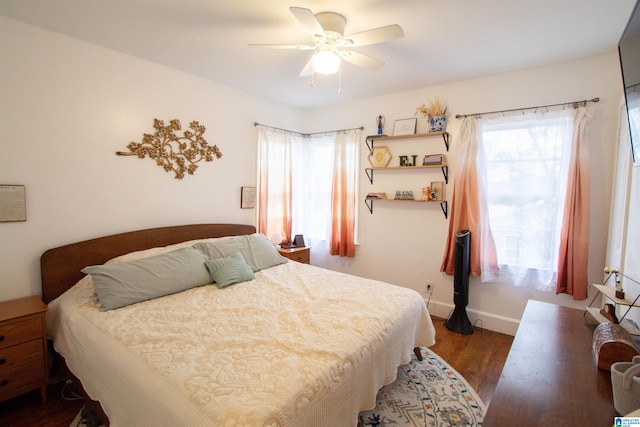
173	152
13	205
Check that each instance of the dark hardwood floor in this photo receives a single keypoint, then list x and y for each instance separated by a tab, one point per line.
479	357
28	410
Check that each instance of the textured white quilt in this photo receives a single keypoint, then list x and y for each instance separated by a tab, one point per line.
297	346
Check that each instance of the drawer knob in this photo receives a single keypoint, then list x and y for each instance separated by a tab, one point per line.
1	337
4	383
3	361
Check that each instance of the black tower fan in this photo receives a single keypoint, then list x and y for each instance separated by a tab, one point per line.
459	322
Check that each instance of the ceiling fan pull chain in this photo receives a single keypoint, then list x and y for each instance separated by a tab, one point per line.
313	84
340	79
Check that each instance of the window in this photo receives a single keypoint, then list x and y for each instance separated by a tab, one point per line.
526	161
312	173
307	184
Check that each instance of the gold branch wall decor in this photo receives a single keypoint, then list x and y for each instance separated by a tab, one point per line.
174	153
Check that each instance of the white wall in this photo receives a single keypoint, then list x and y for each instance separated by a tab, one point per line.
631	264
632	253
404	244
618	221
67	106
623	250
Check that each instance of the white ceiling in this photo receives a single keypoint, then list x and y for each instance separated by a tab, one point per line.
444	40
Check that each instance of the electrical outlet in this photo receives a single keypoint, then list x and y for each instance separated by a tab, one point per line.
428	288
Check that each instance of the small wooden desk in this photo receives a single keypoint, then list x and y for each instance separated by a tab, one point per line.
550	377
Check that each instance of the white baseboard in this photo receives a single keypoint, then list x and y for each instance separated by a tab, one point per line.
479	319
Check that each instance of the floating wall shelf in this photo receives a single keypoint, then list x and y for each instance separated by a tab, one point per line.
443	204
444	167
371	138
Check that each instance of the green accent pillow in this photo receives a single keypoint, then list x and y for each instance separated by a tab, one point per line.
126	283
258	252
230	270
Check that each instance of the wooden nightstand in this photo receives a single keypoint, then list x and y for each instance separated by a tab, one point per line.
302	255
23	347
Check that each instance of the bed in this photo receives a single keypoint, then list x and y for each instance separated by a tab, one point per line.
289	345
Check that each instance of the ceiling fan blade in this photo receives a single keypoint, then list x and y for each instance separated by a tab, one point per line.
284	46
308	20
306	71
361	60
376	35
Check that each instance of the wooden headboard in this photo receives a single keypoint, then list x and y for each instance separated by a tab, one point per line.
61	266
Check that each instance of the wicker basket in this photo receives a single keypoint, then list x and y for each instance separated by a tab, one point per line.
625	379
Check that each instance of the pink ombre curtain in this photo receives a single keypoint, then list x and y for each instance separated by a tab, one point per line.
274	184
344	194
574	235
469	209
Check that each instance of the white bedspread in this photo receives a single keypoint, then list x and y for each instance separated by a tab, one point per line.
297	346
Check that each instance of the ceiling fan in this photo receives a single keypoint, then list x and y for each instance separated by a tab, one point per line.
330	44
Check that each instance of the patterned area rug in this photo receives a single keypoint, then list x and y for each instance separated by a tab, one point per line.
425	393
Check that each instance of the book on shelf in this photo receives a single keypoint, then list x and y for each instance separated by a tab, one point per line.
376	196
432	159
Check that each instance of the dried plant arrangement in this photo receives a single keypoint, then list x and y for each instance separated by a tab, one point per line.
433	108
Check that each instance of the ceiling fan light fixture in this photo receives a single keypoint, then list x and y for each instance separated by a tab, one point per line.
331	46
326	62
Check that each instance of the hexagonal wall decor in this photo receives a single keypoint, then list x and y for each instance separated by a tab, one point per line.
379	157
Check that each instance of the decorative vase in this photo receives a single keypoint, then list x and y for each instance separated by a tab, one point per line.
437	123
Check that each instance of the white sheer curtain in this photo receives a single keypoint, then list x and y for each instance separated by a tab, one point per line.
312	171
527	159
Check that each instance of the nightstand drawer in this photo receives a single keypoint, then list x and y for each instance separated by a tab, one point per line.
20	354
27	377
19	332
302	257
302	254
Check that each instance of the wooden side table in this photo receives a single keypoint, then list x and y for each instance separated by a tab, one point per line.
551	377
302	255
23	347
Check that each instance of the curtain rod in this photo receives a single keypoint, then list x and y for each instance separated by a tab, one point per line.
305	134
574	104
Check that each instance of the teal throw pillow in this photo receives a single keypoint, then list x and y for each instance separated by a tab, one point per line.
230	270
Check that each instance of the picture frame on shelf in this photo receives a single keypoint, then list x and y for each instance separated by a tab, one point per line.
437	190
404	127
